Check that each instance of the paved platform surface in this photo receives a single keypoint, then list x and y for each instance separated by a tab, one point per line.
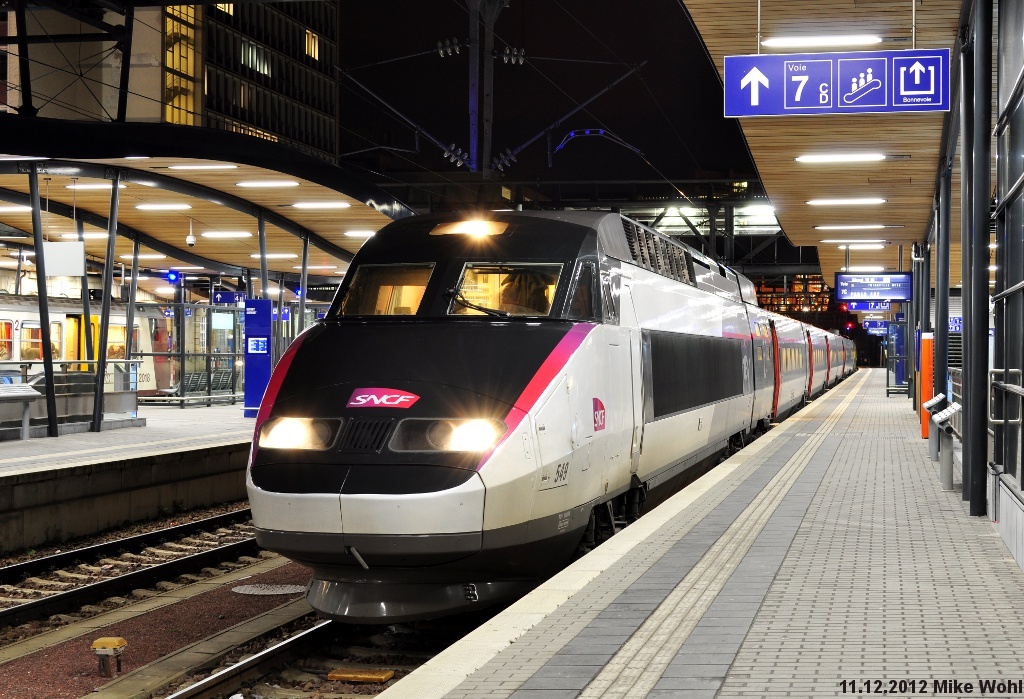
823	560
167	429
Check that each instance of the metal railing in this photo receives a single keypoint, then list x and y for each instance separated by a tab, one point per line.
956	382
74	384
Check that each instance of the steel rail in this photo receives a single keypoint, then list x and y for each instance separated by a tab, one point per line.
226	681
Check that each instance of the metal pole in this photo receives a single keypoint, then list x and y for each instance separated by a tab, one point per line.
44	308
474	84
125	47
261	228
17	272
976	428
912	330
129	325
302	283
942	283
108	286
179	315
280	319
966	207
926	288
90	353
24	70
945	459
209	346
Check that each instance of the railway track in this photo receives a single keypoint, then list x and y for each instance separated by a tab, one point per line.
71	580
327	660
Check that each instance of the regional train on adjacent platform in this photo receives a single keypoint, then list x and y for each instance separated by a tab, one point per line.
488	398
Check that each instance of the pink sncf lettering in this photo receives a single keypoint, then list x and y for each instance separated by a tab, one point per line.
381	398
599	415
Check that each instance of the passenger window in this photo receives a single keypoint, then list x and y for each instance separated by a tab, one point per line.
386	290
6	340
581	307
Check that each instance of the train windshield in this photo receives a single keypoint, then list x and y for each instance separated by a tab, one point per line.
518	289
386	290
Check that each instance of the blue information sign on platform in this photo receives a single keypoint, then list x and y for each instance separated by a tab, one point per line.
914	80
876	324
868	306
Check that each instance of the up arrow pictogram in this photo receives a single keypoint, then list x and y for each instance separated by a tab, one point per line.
918	70
754	79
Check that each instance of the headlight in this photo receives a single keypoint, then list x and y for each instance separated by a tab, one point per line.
299	433
447	435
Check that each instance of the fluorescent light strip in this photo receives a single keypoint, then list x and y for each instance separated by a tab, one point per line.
24	253
163	207
14	209
863	268
840	158
317	267
87	236
359	234
848	240
822	40
212	166
226	234
188	269
267	183
321	205
861	201
146	256
275	255
97	185
862	246
852	227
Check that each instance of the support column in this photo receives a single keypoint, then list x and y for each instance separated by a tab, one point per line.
132	290
261	228
86	309
44	308
302	283
966	207
976	322
108	286
942	282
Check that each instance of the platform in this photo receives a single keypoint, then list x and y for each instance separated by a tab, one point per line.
53	489
821	558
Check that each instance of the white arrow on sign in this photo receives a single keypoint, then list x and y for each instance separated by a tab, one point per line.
918	70
754	79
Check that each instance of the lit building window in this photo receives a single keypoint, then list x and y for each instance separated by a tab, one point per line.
226	8
180	65
312	45
256	57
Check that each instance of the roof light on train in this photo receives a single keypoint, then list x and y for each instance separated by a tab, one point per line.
476	228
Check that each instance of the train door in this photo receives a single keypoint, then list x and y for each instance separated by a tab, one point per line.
810	364
776	363
828	363
629	320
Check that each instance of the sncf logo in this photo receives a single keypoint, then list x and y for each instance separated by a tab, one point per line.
381	398
599	415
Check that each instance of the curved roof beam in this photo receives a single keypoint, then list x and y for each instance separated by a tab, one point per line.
59	209
179	186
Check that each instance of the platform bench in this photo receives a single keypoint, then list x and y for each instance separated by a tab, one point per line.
20	393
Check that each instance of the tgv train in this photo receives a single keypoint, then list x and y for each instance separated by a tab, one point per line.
487	398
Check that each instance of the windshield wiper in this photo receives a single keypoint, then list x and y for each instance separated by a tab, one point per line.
457	295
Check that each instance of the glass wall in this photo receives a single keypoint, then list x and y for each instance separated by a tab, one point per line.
1008	242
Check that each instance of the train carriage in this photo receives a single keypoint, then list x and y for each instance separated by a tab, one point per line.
487	398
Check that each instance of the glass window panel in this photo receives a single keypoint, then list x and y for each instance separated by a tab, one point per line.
386	290
518	289
6	340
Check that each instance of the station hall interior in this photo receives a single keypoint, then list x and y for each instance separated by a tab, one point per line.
185	157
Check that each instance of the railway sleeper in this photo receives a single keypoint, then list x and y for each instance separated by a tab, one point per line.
118	563
162	553
69	576
50	583
14	589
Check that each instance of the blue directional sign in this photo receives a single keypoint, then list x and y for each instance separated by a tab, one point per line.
231	298
868	306
956	324
876	324
894	286
914	80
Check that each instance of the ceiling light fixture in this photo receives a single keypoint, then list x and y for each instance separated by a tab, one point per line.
863	268
359	234
163	207
275	255
226	234
210	166
316	267
852	227
267	183
862	246
94	185
145	256
853	201
321	205
86	236
840	158
822	40
849	240
188	269
14	209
